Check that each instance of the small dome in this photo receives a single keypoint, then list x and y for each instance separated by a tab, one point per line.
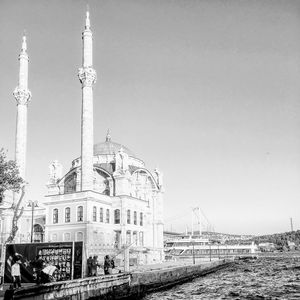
109	147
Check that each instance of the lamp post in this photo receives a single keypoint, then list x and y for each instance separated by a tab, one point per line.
193	253
32	204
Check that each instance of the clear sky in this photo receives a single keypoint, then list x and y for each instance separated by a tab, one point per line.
208	91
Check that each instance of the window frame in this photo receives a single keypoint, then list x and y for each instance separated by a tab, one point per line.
67	214
141	219
107	216
55	216
135	218
94	217
117	216
101	215
80	213
128	216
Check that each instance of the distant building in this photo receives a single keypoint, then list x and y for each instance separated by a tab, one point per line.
266	247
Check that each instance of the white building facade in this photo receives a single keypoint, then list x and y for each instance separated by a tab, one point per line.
108	199
124	208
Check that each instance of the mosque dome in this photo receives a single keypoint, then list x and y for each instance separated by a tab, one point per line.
109	147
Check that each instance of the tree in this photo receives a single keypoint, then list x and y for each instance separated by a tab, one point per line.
10	179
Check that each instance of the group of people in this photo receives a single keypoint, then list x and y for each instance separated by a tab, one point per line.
93	264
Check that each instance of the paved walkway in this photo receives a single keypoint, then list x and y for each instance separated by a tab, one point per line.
169	264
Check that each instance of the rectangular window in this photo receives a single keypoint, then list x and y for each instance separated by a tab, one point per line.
94	213
128	237
55	215
135	238
141	238
117	216
128	216
101	214
141	219
67	215
135	218
107	216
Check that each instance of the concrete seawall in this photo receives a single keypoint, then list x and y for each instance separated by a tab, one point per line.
119	286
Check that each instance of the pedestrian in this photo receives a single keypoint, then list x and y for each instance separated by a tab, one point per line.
94	265
16	273
112	263
89	265
107	264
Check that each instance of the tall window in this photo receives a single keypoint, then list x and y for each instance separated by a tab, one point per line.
67	215
135	218
107	216
135	238
101	214
141	219
80	213
141	238
128	216
94	213
117	216
128	237
55	215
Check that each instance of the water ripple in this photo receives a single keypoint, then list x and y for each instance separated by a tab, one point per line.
265	278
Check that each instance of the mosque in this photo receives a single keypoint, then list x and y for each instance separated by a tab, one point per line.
108	199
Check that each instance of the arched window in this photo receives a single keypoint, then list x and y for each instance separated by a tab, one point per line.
107	216
101	214
80	213
94	213
67	214
141	219
55	215
38	233
117	216
134	218
128	216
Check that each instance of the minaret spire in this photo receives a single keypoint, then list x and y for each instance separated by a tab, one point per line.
87	19
87	76
24	43
22	96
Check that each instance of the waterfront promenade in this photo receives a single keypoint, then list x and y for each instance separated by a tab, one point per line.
138	282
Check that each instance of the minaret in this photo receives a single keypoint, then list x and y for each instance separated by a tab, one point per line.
87	76
22	96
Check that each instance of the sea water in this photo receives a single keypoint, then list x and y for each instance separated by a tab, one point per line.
264	278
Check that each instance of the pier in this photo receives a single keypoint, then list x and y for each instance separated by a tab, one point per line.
129	285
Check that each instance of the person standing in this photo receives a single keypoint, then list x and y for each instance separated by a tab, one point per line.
94	265
16	273
108	265
89	265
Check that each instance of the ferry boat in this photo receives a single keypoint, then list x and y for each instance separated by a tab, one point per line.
188	246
